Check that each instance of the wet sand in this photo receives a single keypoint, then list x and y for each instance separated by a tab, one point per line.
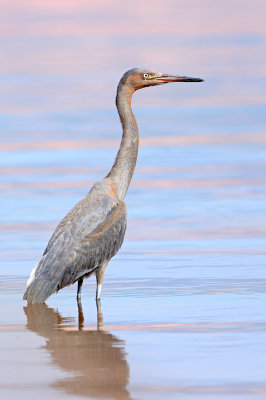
182	314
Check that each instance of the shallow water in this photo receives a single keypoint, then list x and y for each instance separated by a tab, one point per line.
182	314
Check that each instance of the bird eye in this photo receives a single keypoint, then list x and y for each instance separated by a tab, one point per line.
145	75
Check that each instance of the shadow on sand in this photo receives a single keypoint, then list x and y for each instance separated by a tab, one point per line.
96	357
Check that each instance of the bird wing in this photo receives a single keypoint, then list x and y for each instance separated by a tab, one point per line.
90	234
80	237
96	248
83	218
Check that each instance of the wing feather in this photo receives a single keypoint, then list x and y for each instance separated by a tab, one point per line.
98	247
84	216
90	234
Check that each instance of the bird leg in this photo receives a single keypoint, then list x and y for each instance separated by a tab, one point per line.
81	316
99	277
99	315
80	282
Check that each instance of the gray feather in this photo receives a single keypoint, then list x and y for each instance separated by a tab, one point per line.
90	234
98	247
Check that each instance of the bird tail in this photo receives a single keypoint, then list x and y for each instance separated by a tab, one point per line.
40	285
39	290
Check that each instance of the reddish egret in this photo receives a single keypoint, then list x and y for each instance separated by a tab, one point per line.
93	231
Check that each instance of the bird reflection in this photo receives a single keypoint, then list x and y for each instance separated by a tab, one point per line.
96	357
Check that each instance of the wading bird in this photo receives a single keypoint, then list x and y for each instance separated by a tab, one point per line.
93	231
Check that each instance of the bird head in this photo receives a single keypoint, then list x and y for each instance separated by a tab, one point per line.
137	78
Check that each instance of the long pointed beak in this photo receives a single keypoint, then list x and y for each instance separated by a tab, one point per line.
174	78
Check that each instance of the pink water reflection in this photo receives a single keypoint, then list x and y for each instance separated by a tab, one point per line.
160	141
96	42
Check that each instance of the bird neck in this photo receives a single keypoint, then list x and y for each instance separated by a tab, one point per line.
125	162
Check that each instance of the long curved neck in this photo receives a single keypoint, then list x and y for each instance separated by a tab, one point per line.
125	162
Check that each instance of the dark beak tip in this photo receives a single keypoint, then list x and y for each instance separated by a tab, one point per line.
196	80
189	79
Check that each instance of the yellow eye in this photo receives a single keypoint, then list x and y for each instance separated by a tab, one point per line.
145	75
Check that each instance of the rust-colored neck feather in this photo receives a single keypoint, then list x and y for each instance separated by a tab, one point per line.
125	162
